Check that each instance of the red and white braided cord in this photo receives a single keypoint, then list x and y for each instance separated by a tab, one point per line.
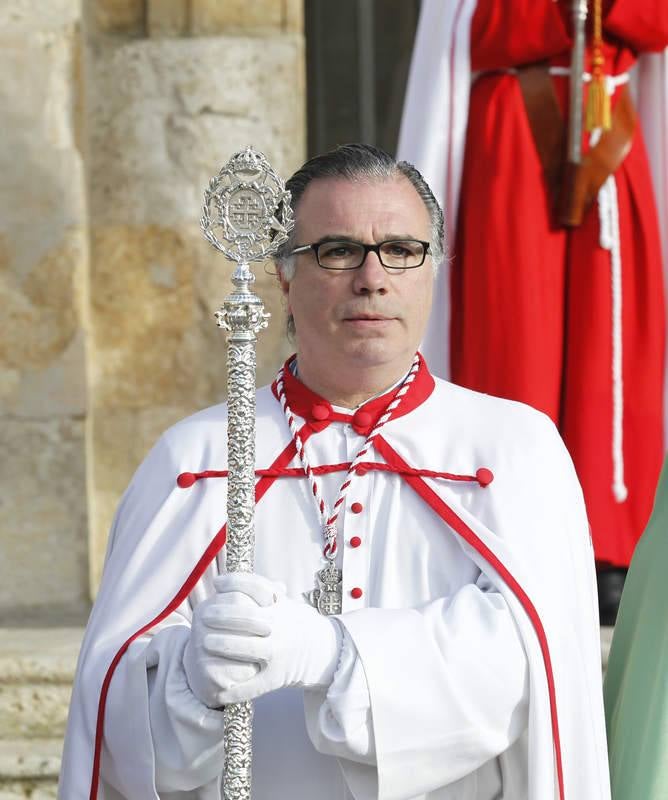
327	518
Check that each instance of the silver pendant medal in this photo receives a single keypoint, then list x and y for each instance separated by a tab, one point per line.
327	596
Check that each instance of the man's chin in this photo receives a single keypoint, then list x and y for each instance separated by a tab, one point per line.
372	352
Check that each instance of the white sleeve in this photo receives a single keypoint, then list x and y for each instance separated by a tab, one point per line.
429	695
339	719
149	690
187	735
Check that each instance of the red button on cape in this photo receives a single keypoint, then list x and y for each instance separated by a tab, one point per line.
357	508
362	420
185	480
484	476
356	593
355	541
320	412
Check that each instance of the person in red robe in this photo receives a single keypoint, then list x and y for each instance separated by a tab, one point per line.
533	301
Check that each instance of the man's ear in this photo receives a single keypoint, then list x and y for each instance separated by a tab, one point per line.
285	285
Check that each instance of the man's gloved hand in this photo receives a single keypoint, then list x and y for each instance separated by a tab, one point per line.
208	674
292	643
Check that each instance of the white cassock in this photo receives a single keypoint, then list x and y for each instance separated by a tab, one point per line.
470	665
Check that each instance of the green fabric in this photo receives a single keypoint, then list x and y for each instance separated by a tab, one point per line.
636	684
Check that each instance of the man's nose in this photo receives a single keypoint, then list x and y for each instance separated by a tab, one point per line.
371	276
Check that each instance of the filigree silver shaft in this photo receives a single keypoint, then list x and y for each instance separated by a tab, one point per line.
242	316
246	216
239	309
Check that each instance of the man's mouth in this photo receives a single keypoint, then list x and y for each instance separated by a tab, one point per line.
367	318
368	323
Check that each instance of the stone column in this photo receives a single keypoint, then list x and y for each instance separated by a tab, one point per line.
173	88
43	297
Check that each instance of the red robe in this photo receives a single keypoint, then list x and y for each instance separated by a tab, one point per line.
531	304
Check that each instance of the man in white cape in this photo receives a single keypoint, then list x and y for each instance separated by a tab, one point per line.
456	667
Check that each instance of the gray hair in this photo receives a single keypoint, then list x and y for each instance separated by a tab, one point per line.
356	162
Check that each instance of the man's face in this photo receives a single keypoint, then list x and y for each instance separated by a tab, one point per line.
370	316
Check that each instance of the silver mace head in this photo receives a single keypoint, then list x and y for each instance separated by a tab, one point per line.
246	216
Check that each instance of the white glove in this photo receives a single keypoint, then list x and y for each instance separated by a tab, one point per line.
291	642
208	674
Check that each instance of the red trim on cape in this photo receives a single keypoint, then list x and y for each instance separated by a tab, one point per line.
468	535
209	554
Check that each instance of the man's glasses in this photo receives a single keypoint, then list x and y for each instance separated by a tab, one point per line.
393	254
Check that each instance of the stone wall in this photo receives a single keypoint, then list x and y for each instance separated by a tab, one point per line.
115	114
43	296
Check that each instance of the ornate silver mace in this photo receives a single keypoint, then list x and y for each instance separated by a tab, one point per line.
246	216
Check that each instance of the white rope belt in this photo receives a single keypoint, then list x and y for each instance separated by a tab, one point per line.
609	239
612	82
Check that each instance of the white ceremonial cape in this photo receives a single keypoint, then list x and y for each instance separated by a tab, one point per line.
433	138
526	531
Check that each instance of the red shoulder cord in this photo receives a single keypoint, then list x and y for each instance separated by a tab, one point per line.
483	476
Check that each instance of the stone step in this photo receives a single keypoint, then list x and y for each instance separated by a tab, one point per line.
33	711
36	671
29	769
39	655
35	758
29	790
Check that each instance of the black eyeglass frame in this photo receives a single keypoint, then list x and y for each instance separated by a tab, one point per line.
368	248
